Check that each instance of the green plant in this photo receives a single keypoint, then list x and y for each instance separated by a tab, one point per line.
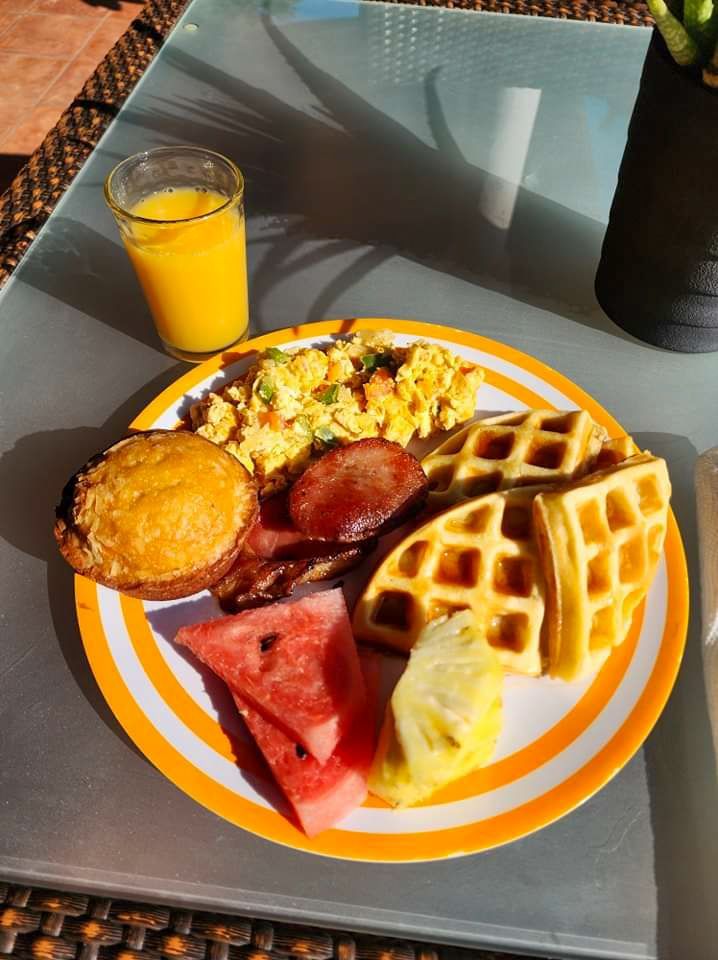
693	40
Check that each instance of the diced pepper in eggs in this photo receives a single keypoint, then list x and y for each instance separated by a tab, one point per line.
292	404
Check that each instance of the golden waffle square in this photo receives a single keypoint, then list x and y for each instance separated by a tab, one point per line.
511	450
615	451
600	541
481	555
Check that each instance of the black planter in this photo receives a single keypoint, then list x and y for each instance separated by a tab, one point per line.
658	275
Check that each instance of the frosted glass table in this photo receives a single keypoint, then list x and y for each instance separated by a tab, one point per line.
427	163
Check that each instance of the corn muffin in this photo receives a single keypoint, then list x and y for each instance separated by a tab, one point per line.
159	515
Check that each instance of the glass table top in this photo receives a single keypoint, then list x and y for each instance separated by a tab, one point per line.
435	164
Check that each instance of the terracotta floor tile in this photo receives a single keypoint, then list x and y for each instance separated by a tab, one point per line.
11	113
108	32
5	20
69	83
48	48
17	7
29	134
78	8
126	10
24	79
57	36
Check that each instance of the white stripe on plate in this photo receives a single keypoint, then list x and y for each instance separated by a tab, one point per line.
424	819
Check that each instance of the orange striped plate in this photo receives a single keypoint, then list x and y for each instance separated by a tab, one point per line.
560	743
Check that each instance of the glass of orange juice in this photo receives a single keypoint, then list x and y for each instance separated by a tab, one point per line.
180	212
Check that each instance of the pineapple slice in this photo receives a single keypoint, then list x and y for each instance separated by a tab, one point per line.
444	716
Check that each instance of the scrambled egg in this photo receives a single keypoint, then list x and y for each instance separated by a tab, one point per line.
292	405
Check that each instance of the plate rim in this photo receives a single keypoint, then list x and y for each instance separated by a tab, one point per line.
568	794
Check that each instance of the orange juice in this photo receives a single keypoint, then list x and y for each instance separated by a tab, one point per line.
193	271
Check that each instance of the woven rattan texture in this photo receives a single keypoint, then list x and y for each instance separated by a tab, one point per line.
30	199
46	925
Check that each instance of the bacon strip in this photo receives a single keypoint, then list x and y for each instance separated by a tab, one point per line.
361	490
253	581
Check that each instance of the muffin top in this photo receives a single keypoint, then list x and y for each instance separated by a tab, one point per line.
157	514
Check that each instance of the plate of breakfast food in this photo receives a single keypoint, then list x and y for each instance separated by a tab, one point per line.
379	590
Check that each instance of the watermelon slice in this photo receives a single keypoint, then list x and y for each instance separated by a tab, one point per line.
321	795
296	663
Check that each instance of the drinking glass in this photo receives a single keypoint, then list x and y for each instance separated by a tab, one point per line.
180	213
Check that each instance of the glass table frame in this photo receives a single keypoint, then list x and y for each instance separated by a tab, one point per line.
427	163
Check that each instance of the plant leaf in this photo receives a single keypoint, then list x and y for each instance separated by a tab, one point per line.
699	20
681	45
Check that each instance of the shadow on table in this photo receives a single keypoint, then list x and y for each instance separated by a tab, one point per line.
10	166
82	268
348	175
680	761
32	475
112	4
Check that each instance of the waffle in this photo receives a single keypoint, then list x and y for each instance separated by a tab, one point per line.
615	451
600	540
511	450
480	555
